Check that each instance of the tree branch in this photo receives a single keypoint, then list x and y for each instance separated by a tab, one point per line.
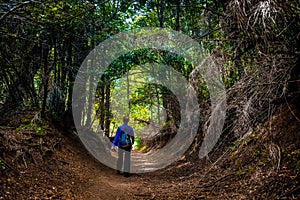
15	8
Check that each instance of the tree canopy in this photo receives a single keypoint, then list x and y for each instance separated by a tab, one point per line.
255	45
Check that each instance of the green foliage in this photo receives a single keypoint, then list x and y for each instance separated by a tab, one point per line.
2	165
138	145
293	158
233	145
40	130
45	42
231	148
256	153
66	30
240	172
25	124
39	127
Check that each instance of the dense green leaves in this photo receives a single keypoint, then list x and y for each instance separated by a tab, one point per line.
43	44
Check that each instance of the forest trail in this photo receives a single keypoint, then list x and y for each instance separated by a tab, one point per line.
102	182
58	166
105	183
257	168
230	67
71	172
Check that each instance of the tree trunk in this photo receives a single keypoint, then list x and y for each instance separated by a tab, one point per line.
44	60
177	24
107	105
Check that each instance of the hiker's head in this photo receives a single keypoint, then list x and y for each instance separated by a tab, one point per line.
125	120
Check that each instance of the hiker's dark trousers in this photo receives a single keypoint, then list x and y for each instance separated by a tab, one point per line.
124	159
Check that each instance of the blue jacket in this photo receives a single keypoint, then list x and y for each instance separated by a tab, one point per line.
125	128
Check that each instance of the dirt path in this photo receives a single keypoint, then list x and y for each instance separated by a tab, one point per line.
98	181
104	183
179	181
57	166
101	182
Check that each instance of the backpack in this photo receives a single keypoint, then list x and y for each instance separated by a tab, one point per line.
124	139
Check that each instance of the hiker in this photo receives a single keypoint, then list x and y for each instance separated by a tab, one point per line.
124	140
